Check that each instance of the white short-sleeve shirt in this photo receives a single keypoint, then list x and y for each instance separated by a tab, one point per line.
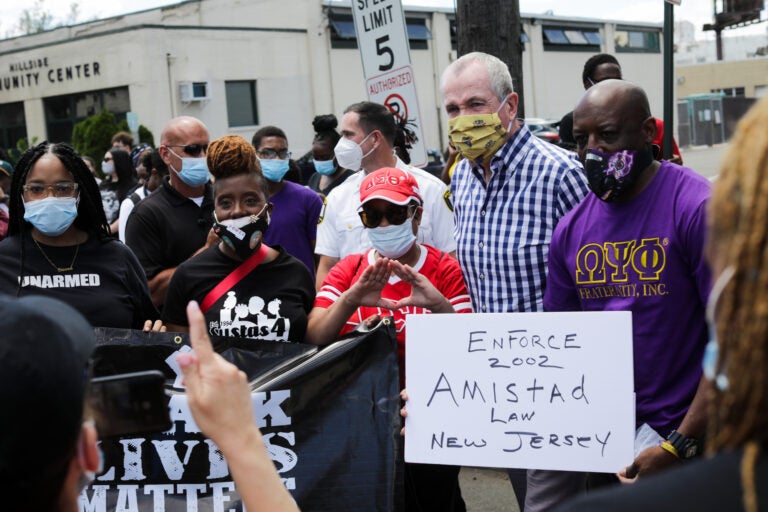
340	231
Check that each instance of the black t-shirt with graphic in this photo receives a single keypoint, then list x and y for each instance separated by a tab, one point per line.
271	303
107	284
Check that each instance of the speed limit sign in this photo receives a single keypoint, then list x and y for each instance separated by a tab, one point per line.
382	38
381	35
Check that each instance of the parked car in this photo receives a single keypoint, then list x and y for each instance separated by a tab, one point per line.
435	163
546	129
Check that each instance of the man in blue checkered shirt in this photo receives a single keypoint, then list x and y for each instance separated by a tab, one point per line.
509	191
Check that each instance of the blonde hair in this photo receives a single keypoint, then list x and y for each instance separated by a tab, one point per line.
738	223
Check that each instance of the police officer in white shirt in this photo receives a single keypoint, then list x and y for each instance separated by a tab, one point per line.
367	143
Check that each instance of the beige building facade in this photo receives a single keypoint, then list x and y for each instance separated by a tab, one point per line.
238	65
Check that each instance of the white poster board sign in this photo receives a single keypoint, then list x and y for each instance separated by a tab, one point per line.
382	38
521	390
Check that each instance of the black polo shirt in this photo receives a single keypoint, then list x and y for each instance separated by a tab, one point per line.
166	228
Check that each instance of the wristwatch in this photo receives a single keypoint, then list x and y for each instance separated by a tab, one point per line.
687	447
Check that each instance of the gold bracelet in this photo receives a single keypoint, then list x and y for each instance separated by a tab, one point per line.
666	445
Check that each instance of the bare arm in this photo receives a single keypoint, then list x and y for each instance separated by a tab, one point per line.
220	401
323	267
325	324
158	286
656	458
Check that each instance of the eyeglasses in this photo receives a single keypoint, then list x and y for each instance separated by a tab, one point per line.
61	189
107	159
192	149
395	215
269	154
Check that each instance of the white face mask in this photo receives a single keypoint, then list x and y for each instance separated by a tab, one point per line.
394	240
349	154
108	167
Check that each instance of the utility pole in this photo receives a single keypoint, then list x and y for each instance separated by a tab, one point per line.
493	26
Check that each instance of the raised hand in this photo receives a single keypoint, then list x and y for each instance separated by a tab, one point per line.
367	290
423	292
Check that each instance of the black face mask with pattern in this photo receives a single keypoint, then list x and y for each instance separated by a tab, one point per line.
611	176
243	235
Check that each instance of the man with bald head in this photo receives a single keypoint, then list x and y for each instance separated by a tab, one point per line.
173	223
636	244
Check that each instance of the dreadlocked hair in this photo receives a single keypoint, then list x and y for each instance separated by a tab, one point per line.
738	221
90	211
405	137
232	155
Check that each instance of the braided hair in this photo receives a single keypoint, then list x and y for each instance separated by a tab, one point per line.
232	155
738	238
90	211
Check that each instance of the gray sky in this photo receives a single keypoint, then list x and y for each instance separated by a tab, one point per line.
696	11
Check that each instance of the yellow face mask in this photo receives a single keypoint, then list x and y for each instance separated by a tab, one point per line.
478	136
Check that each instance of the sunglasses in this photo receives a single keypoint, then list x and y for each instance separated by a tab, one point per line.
192	149
107	159
395	215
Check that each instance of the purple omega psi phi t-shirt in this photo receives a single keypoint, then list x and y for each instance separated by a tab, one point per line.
644	256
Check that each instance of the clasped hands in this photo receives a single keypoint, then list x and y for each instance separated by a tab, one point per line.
367	290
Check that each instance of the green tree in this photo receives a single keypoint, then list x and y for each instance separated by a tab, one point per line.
93	135
39	18
145	135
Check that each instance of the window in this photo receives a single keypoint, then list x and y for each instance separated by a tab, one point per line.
571	39
454	45
13	125
242	109
637	41
63	112
730	91
343	31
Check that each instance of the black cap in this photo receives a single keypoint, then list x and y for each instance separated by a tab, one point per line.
45	346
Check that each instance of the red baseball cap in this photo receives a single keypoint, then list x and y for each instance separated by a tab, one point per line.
390	184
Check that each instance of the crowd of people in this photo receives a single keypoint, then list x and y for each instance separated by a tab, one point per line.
230	225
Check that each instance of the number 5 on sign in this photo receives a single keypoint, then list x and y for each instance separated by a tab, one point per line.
382	49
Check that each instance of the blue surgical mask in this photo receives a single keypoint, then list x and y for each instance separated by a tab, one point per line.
53	215
274	169
712	351
394	240
194	171
324	167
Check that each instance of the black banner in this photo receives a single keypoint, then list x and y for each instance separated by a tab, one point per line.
329	419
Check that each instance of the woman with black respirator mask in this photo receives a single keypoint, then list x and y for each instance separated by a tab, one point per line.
245	289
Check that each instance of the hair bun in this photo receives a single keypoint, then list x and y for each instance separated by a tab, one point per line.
325	123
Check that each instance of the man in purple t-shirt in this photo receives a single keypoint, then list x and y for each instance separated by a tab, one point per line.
296	209
636	244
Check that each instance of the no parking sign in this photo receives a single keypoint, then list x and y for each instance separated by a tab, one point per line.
397	90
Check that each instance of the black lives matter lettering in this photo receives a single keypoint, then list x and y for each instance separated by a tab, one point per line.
179	468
